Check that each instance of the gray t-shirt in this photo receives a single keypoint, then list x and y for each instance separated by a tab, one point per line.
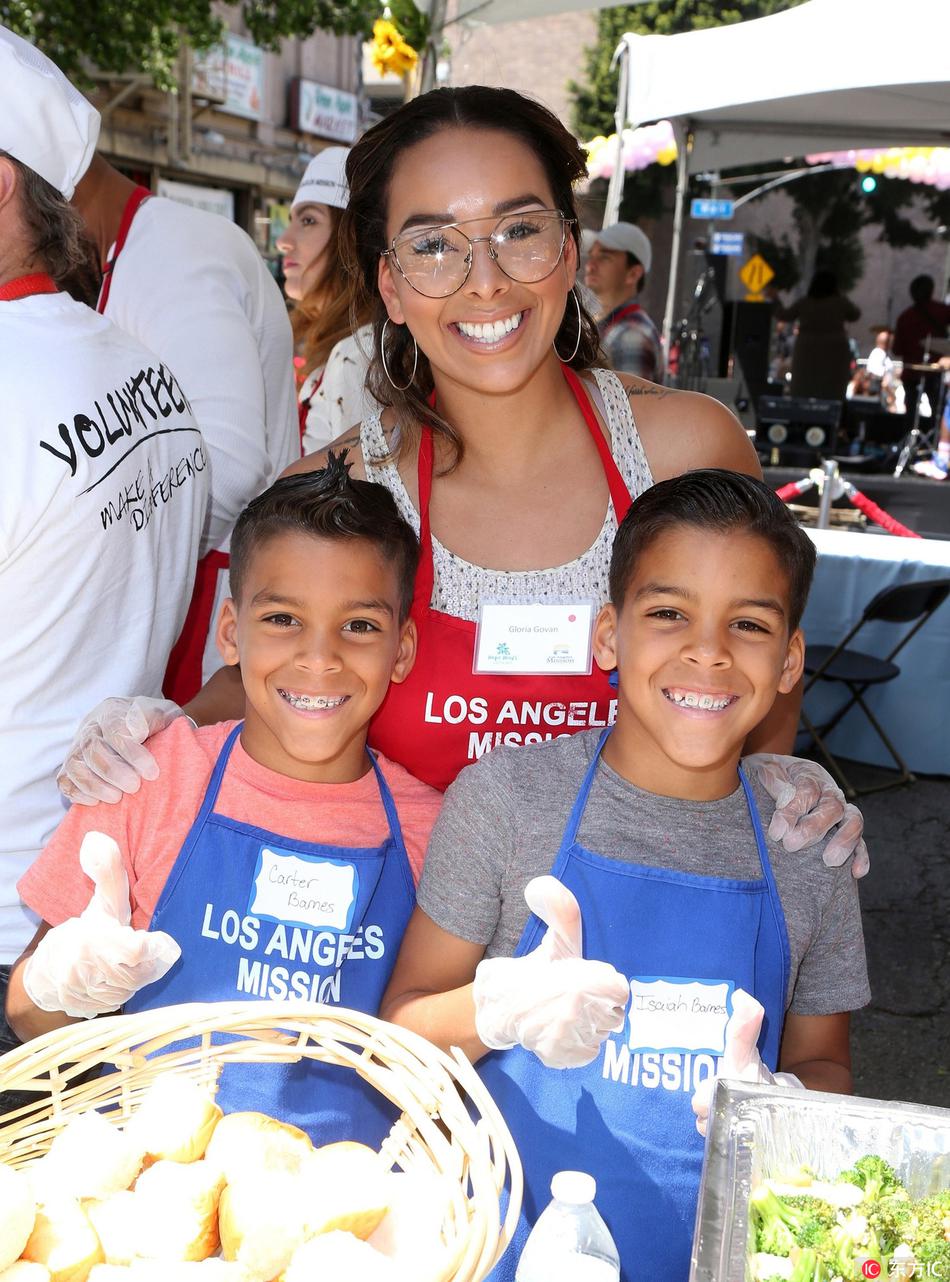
502	824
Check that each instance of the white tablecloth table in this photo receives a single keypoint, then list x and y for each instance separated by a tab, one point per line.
914	709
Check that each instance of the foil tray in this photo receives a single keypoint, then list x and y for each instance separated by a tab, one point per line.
760	1131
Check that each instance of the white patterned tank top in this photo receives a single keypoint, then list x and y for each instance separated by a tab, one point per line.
459	585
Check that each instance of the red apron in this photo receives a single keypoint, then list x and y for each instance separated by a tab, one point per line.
303	409
444	716
139	195
27	286
183	674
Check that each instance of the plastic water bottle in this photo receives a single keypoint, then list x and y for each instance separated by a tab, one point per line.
570	1242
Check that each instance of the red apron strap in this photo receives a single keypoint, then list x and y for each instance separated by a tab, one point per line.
183	674
303	408
139	195
425	575
26	286
619	494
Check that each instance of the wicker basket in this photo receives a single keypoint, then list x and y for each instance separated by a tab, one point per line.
435	1133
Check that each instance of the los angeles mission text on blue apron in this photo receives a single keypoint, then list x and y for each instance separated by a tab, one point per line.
258	914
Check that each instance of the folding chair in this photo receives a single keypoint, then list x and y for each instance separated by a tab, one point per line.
908	603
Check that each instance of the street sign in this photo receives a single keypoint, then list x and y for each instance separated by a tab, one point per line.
707	209
731	243
755	275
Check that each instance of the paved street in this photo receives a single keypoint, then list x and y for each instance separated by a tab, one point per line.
901	1042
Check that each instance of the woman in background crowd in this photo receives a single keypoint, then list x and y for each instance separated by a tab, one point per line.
322	317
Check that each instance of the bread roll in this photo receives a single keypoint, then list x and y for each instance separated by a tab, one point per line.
17	1214
175	1121
337	1256
115	1220
212	1270
347	1189
262	1222
91	1158
25	1271
247	1144
176	1211
411	1232
64	1240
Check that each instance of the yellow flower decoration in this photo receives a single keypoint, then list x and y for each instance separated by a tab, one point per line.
389	52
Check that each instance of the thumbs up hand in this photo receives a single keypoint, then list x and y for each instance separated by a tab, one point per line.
551	1001
740	1061
93	963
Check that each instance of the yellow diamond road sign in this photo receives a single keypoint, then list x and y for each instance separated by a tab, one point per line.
756	274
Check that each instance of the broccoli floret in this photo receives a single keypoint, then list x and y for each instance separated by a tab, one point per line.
782	1223
932	1215
892	1218
817	1217
873	1175
809	1267
851	1241
933	1258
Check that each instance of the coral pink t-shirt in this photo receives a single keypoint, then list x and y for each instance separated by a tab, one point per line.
151	825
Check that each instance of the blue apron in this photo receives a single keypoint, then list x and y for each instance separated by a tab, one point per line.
627	1118
242	904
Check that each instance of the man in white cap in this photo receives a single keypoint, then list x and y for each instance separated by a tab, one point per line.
192	286
103	488
333	392
618	261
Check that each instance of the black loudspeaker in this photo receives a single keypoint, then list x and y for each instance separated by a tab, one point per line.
747	335
797	430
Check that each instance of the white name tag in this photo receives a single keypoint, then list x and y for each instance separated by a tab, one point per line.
300	891
547	638
679	1014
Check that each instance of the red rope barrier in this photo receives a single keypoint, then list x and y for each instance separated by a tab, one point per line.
794	488
877	514
860	501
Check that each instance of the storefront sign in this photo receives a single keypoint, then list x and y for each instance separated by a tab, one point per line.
323	111
214	200
232	75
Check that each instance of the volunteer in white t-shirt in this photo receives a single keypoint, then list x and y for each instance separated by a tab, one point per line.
193	287
103	489
332	361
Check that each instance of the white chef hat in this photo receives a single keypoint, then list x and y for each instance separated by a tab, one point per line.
45	123
324	181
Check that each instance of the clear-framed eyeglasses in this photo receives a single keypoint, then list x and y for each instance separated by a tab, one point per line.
437	261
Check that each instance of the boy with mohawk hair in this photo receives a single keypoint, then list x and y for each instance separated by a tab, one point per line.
274	857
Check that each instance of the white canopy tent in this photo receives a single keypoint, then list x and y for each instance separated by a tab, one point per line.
827	75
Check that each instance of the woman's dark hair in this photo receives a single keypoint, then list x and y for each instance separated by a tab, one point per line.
54	228
328	312
824	284
369	169
714	499
328	504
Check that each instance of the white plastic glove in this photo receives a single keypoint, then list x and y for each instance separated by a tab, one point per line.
106	758
93	963
552	1002
808	804
741	1061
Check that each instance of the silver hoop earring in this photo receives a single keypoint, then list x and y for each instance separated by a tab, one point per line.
580	329
415	360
